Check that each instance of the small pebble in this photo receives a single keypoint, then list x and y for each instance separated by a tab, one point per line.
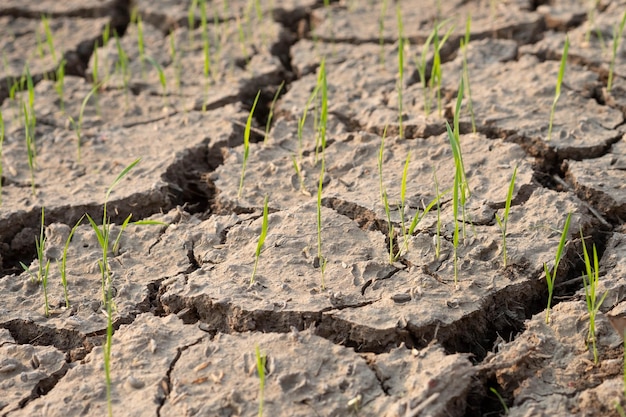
401	298
134	382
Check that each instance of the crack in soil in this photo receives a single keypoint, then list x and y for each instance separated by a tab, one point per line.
165	386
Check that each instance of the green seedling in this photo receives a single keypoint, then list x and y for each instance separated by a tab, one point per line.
296	167
551	276
460	190
40	246
464	42
246	143
29	133
60	83
44	285
438	230
400	84
436	75
381	30
619	408
191	20
504	220
590	283
559	81
321	258
384	197
49	39
141	46
591	18
260	368
103	235
178	69
302	120
259	245
270	116
63	264
162	79
502	402
617	36
78	125
122	65
322	86
242	38
421	65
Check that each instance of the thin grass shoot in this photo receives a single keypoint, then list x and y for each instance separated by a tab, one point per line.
246	143
320	257
504	220
260	368
63	262
617	36
559	81
261	241
551	276
590	283
400	84
270	116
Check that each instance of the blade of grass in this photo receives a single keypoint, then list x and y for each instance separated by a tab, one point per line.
503	222
270	116
559	81
246	143
261	241
617	36
551	276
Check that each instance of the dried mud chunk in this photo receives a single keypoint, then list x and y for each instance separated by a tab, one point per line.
602	181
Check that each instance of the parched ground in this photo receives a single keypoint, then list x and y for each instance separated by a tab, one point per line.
354	331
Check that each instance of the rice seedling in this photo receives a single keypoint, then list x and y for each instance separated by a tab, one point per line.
141	46
246	143
322	86
421	65
384	197
122	65
320	257
400	68
559	81
242	38
296	167
40	245
617	36
502	402
270	116
260	368
103	235
178	69
504	220
460	190
63	262
78	125
162	79
60	84
551	276
436	74
29	134
590	283
44	284
619	408
464	42
191	20
381	30
591	18
49	38
259	245
437	236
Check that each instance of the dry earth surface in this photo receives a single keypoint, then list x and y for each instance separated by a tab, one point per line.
352	332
